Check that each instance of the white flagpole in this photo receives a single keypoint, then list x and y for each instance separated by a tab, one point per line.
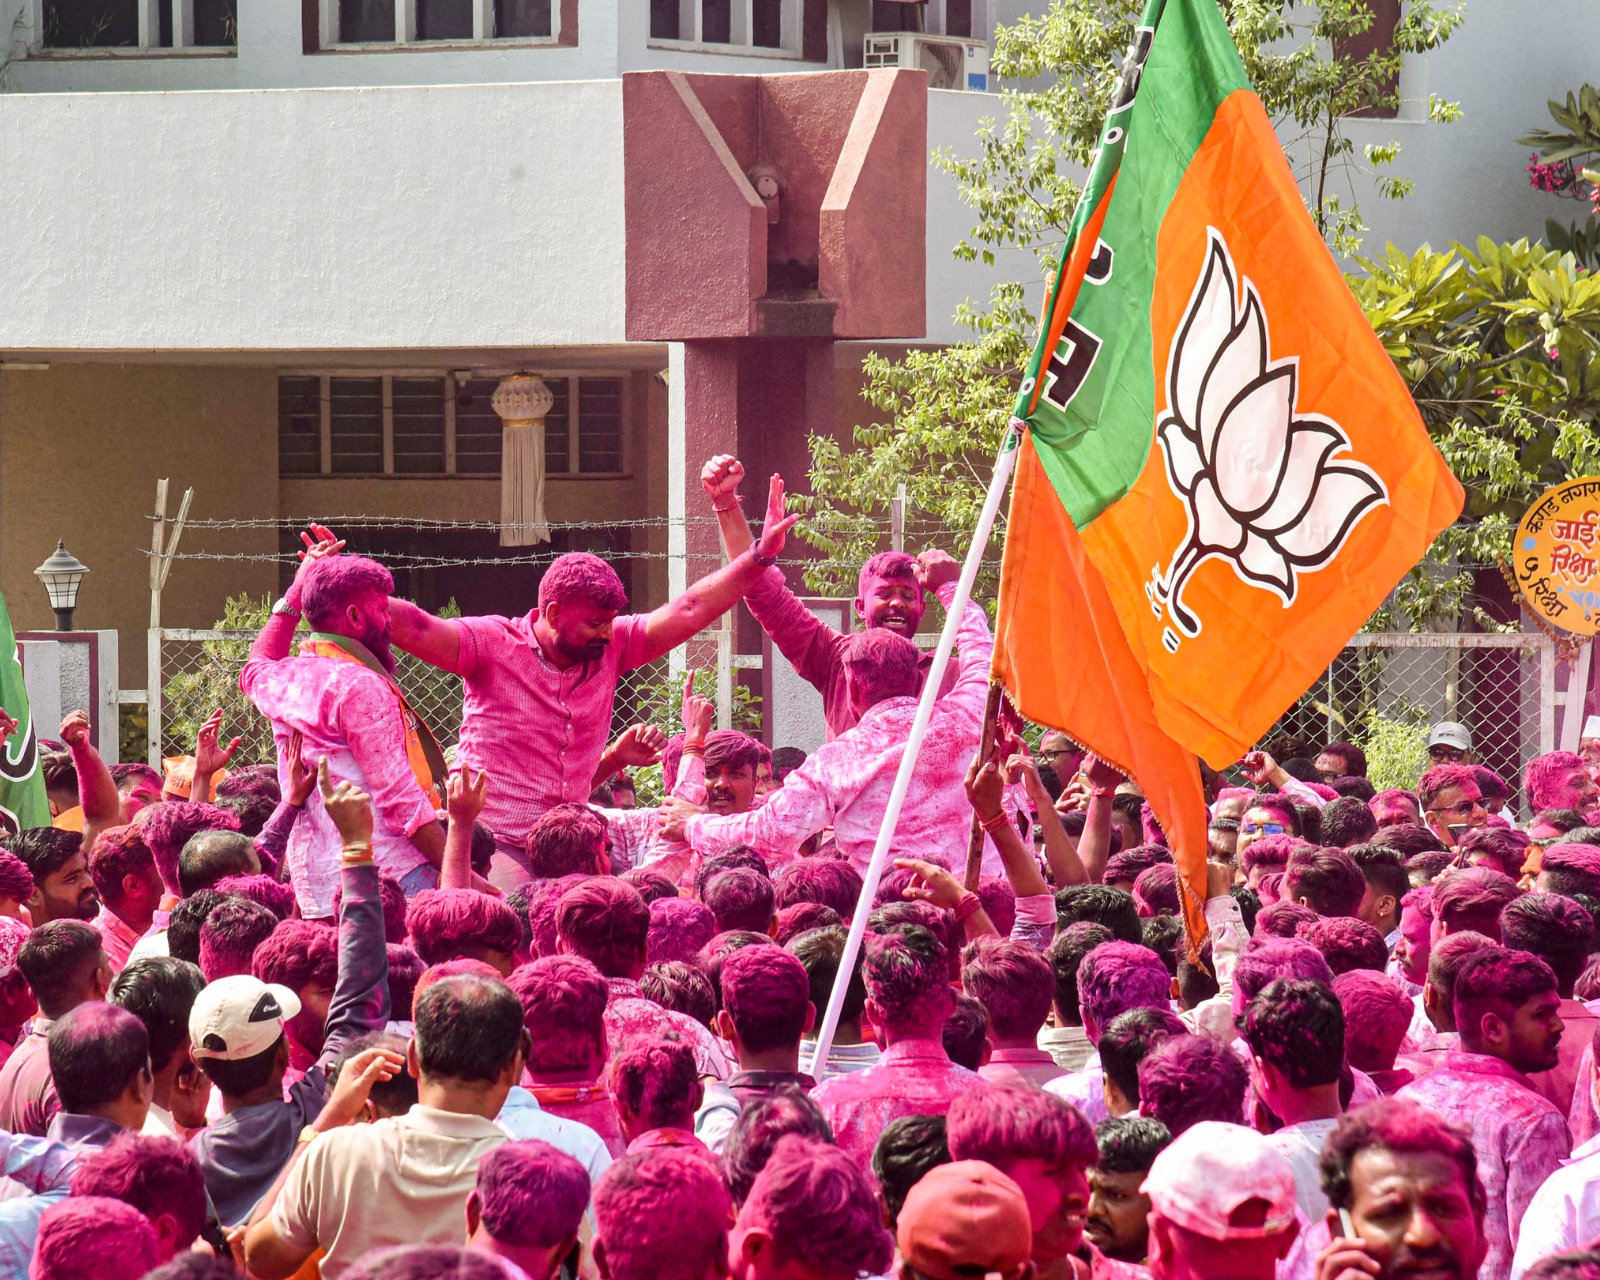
1003	465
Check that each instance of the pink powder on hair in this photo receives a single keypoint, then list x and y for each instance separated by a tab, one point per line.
803	917
881	664
999	903
1472	898
902	971
93	1238
563	1002
569	839
16	881
1266	959
168	826
1377	1015
652	885
335	583
886	566
405	968
662	1214
1270	851
1187	1079
1004	1124
1442	777
531	1194
1543	779
1118	976
740	899
1014	982
1282	919
542	912
275	897
766	993
604	920
154	1175
1155	892
581	578
819	1209
394	907
1346	943
679	928
118	852
230	936
730	749
298	952
448	924
655	1077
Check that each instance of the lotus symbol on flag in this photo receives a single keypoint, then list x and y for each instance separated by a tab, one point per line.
1259	481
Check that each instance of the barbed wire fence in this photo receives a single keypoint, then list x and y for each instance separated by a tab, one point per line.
1383	692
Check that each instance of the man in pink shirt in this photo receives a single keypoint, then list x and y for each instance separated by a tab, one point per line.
909	999
1507	1012
845	783
1016	984
540	688
124	871
339	694
891	592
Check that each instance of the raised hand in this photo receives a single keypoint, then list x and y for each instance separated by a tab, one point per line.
776	525
356	1078
8	726
464	795
208	756
1100	774
348	805
319	544
698	713
74	730
637	746
720	479
935	568
986	787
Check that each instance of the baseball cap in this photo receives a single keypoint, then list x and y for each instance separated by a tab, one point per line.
967	1215
1591	728
1212	1168
1447	733
239	1017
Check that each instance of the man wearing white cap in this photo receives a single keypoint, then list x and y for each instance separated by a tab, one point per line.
236	1032
1222	1206
1450	743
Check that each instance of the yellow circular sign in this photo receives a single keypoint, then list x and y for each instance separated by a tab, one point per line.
1556	555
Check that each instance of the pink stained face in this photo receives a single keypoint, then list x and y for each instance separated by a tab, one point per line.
138	798
1395	812
582	630
1575	790
730	789
1414	946
1455	811
1058	1206
894	604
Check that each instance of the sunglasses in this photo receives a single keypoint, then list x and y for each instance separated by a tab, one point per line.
1262	828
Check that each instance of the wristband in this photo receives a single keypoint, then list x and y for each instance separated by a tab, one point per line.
969	904
1102	793
766	562
356	851
996	822
693	747
737	502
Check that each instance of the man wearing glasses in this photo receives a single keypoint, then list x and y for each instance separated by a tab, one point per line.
1058	751
1450	743
1452	804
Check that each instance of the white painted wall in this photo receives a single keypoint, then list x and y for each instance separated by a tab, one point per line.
451	216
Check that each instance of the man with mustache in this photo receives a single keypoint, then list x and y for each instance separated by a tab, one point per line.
539	689
1409	1183
1119	1211
339	694
889	594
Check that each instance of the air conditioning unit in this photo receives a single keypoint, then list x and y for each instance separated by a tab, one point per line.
950	61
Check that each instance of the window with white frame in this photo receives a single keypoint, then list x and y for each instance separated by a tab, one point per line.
421	22
104	26
749	24
434	425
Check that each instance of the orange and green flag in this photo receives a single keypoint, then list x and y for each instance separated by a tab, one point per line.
1222	474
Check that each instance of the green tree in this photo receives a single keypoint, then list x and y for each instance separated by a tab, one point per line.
943	412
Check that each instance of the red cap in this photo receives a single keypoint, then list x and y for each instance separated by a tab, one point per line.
967	1215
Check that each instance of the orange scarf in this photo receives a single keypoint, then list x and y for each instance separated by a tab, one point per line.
422	748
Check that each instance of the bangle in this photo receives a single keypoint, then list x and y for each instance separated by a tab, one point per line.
356	851
995	823
693	747
766	562
969	904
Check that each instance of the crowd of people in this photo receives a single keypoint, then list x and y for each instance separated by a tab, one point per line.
378	1010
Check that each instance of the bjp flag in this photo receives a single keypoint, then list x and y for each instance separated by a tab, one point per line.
1222	474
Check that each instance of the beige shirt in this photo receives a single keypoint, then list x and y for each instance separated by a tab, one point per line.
403	1180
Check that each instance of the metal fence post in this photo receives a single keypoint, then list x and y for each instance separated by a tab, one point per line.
152	696
1547	694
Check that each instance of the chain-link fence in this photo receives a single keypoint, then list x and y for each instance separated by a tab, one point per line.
1386	690
198	671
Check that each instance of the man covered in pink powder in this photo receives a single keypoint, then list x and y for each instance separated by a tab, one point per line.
909	999
1558	780
1507	1012
846	783
540	688
340	695
891	592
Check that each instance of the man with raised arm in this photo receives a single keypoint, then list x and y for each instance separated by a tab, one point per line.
539	688
891	593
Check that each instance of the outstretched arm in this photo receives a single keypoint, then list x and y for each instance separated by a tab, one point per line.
464	803
97	792
360	1002
716	593
437	641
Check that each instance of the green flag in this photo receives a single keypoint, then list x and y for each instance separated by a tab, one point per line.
22	799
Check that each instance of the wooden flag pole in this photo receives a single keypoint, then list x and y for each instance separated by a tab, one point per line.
1003	465
991	713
